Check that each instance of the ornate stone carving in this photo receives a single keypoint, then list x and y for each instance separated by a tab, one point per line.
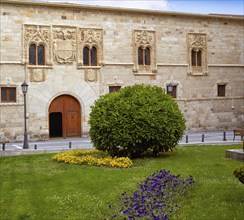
90	37
197	42
37	75
144	39
91	75
64	44
37	34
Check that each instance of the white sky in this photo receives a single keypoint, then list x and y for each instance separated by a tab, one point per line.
191	6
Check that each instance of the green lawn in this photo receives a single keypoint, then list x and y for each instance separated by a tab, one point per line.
35	187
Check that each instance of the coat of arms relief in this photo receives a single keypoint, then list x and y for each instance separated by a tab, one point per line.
64	44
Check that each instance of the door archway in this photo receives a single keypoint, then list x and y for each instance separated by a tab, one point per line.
64	117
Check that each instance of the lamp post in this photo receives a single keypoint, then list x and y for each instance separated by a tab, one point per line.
24	88
170	88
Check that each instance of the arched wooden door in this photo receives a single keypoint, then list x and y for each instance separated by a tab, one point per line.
64	117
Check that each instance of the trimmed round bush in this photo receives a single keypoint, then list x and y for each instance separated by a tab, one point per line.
136	120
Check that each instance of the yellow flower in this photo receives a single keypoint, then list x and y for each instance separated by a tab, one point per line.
89	157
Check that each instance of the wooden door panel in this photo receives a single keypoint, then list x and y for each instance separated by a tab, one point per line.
72	125
57	105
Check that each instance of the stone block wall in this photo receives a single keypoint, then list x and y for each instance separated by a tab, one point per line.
119	31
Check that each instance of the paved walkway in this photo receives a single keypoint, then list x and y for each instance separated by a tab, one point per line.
57	145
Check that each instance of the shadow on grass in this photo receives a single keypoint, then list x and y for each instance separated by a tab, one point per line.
147	159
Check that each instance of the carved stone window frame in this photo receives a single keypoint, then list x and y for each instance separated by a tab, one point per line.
90	37
38	35
144	39
197	41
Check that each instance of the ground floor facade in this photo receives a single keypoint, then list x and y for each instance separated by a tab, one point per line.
59	106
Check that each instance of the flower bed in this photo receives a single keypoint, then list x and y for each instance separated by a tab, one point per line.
92	157
156	198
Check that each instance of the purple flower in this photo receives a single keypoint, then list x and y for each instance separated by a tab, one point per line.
156	198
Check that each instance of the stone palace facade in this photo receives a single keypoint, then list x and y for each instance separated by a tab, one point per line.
69	55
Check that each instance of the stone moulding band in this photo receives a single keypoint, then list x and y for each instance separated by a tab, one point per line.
209	99
127	64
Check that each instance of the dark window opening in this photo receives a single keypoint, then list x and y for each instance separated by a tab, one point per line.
41	55
114	88
32	54
8	94
144	57
36	55
90	56
221	90
94	56
196	57
147	56
140	55
86	56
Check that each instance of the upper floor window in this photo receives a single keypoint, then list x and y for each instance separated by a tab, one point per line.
196	57
221	90
90	48
36	54
144	52
197	54
173	92
144	56
8	94
90	56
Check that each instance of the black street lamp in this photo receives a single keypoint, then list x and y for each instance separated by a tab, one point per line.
24	87
170	88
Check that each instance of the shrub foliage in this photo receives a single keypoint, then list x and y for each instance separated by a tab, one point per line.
239	174
135	120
